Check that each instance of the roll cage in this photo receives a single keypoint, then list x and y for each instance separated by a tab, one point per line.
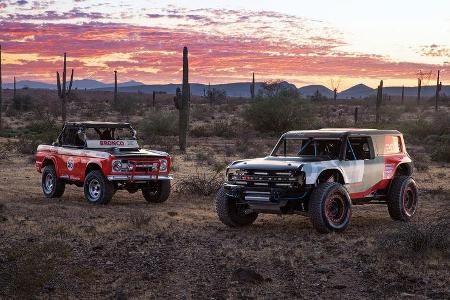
346	148
74	134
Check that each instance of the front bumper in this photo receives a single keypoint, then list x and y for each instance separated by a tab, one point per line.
272	200
134	178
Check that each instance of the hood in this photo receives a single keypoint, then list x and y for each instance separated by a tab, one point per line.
274	163
138	153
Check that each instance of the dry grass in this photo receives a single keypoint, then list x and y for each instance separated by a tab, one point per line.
66	248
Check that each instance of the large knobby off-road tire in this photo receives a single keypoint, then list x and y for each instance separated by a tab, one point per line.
232	214
97	189
52	186
157	194
402	198
330	207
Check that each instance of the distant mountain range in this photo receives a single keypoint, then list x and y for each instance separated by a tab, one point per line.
77	84
238	89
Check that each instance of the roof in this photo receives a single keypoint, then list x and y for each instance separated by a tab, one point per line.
95	124
338	132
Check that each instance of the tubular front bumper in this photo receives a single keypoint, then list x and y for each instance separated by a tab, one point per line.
264	199
132	178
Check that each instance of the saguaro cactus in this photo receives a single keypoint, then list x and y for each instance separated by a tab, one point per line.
63	91
1	88
403	94
419	89
335	94
115	87
379	100
15	91
252	87
183	103
438	89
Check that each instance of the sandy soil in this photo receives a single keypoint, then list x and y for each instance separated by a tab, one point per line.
179	249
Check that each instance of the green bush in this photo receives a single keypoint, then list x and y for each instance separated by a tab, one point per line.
277	115
159	124
22	102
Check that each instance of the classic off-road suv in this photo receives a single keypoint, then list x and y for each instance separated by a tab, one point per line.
103	157
321	173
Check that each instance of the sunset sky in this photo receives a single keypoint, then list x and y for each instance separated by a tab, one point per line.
303	42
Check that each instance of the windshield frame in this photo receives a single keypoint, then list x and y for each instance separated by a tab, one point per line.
282	143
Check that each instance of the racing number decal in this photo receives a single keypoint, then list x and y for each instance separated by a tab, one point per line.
70	164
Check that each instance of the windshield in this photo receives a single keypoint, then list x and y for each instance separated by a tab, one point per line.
110	133
308	147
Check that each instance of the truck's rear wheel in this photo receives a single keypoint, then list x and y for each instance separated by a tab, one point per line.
158	194
231	213
52	186
330	207
402	198
97	189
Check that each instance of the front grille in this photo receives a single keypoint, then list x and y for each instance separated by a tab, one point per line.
264	178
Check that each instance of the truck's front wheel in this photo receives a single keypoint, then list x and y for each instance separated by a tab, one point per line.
330	207
52	186
97	189
232	213
158	194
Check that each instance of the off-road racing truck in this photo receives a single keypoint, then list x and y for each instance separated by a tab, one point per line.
322	173
102	157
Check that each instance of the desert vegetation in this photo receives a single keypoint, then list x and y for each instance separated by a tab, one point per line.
131	249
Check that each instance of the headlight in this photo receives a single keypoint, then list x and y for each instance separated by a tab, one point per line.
117	165
163	165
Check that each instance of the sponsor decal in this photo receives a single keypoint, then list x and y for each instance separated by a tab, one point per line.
93	144
392	144
389	169
70	164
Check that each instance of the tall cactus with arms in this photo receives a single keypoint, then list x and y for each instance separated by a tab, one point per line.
182	103
63	91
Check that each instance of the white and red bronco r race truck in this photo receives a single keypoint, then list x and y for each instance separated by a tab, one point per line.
103	157
322	173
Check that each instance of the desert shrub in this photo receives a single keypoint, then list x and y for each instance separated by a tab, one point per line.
22	102
421	160
277	115
139	219
202	112
127	104
200	183
39	132
160	124
440	148
411	240
203	130
223	129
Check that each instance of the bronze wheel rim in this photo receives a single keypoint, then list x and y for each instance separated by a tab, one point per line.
335	208
409	201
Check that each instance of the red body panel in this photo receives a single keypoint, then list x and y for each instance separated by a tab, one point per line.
71	164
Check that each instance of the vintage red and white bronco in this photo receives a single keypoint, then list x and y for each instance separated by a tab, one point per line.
103	157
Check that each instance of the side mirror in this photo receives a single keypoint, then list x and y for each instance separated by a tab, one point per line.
55	144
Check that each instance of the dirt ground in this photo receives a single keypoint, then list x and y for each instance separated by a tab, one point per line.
66	248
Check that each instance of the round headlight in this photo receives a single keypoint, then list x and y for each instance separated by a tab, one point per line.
163	165
117	165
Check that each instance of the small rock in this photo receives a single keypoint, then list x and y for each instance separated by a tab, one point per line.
109	263
339	286
172	213
322	270
3	219
243	275
407	295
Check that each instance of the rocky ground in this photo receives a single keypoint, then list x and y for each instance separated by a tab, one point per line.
67	248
